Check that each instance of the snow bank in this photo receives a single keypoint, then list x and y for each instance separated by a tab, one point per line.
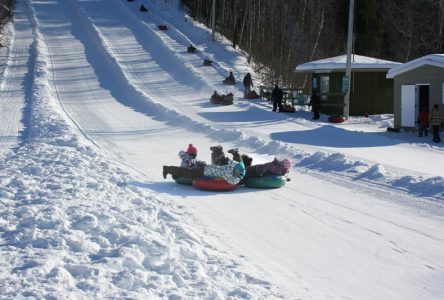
106	238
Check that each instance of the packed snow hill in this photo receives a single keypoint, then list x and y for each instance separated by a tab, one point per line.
97	96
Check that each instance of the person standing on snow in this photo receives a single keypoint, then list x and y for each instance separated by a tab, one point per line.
276	96
435	122
248	83
423	123
315	103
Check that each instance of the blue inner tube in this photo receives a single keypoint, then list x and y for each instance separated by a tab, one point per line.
266	182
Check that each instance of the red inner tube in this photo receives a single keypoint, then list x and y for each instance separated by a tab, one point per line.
213	184
336	119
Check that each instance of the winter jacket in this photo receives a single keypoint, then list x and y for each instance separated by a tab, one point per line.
277	94
423	118
247	81
435	117
225	171
315	102
271	168
189	162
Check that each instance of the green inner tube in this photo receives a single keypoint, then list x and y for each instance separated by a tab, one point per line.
184	180
266	182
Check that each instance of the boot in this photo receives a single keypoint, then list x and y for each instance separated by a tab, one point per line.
236	155
165	172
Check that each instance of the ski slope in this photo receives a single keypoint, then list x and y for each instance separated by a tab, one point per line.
95	99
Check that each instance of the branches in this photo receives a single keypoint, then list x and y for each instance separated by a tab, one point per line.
279	34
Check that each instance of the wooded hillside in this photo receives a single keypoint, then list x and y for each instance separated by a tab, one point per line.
6	13
6	7
279	34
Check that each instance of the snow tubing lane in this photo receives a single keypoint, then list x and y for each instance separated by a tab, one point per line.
266	182
336	119
213	184
184	180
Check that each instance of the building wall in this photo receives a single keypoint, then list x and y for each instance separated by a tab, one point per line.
422	75
370	92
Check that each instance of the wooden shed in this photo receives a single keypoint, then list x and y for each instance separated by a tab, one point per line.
417	84
370	91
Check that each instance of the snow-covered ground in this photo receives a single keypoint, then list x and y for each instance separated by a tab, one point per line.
95	99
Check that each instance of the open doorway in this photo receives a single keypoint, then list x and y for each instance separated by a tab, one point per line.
423	97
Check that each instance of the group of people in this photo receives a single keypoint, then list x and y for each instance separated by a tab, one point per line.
425	120
217	98
235	170
247	82
276	95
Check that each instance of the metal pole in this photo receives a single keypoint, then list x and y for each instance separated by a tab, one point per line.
349	53
213	19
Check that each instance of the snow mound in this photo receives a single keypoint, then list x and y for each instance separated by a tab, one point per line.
105	239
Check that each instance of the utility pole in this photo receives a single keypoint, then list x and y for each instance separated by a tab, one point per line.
348	64
213	19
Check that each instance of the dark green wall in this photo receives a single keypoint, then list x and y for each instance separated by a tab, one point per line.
370	92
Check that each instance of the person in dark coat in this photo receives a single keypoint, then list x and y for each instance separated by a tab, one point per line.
248	83
276	96
191	49
230	79
435	122
315	103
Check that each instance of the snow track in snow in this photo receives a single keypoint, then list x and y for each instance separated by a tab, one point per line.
16	83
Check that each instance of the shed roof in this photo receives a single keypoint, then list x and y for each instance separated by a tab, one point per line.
338	63
431	59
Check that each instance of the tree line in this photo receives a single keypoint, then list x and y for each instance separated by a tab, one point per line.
6	10
277	35
6	13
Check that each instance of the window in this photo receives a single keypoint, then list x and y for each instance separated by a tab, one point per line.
314	83
325	84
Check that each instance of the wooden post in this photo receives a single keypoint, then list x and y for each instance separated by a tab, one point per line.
213	19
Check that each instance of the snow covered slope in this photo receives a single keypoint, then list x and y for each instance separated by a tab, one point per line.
96	99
